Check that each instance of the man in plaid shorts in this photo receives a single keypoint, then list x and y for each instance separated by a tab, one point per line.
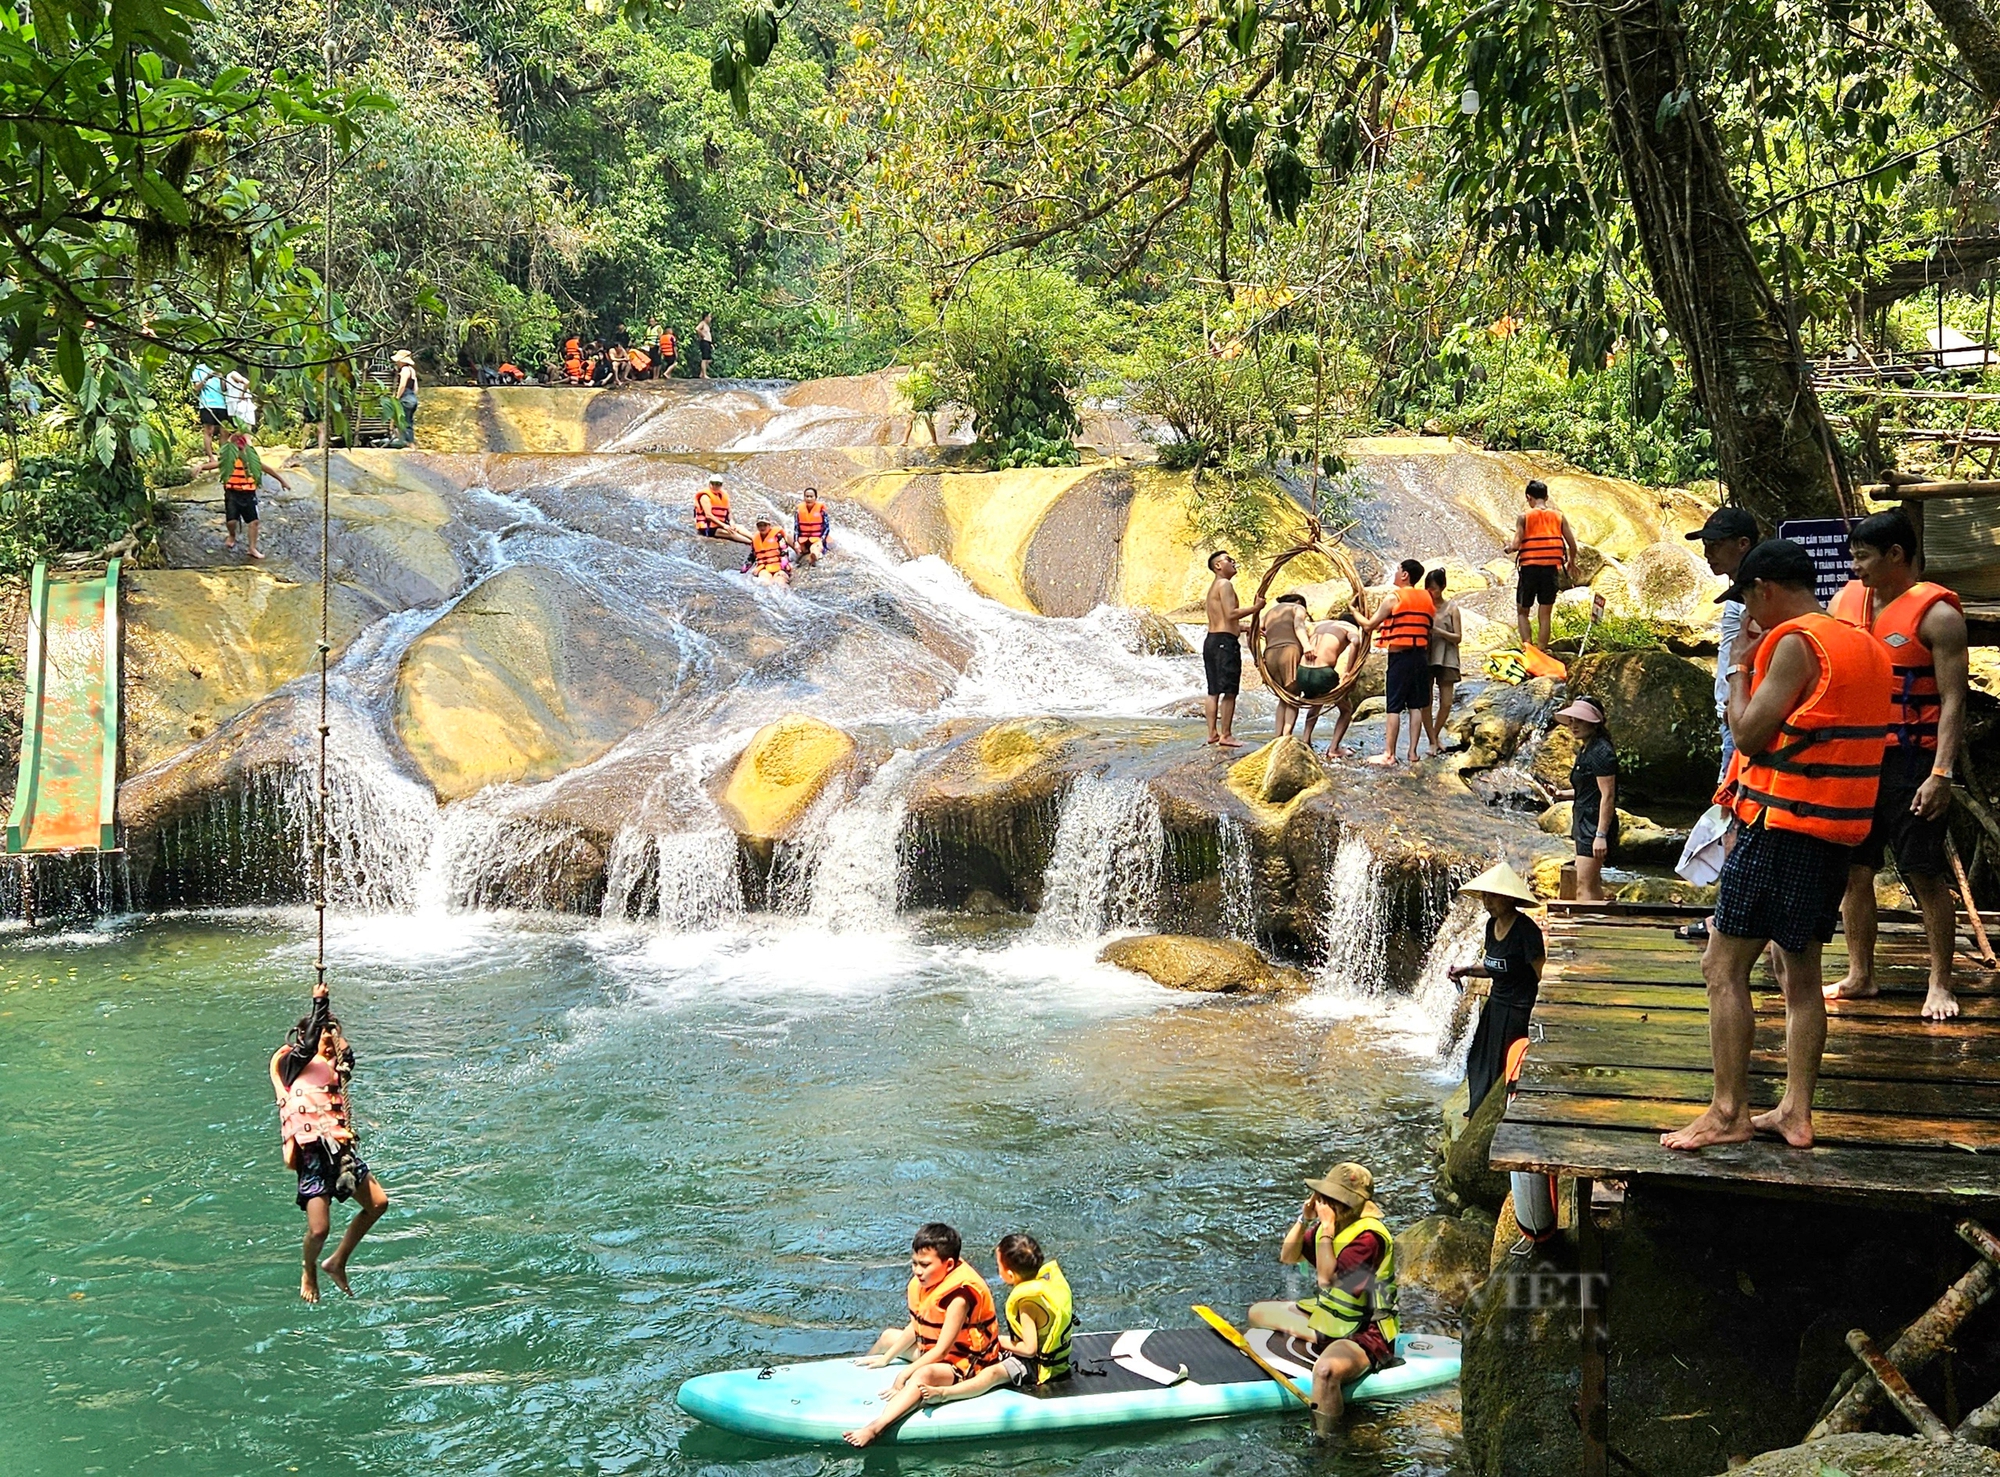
1809	708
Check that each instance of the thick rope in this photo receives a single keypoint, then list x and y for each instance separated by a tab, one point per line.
325	526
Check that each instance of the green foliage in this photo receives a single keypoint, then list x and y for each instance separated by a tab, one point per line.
1612	632
1013	347
59	504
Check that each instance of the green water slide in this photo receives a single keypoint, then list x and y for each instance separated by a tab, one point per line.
67	793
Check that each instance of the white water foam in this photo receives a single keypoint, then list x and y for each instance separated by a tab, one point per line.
1239	880
1357	923
858	881
1104	872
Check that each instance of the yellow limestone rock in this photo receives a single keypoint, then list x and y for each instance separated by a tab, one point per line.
1008	750
783	771
1272	777
1209	966
202	645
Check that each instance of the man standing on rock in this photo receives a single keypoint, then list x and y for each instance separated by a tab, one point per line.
1922	628
1544	548
1809	709
1404	620
1222	651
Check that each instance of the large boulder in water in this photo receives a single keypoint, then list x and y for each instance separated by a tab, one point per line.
1272	777
1206	965
1447	1255
782	771
1495	723
1872	1454
1639	839
1660	710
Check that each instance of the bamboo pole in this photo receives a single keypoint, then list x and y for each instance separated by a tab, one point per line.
1971	907
1890	1380
1856	1398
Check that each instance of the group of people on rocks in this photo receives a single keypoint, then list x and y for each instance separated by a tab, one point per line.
623	360
774	553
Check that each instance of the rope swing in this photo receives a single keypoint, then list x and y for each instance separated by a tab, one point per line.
325	527
1329	548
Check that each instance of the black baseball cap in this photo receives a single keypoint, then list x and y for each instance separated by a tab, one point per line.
1727	521
1775	559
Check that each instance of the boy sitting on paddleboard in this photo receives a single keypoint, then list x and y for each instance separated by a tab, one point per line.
953	1329
1040	1311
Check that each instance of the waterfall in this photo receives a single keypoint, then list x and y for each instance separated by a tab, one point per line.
1357	920
1239	882
1435	1001
858	880
1104	872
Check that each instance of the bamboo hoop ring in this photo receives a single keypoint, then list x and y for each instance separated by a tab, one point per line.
1357	602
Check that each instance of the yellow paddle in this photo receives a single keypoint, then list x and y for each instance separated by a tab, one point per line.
1223	1326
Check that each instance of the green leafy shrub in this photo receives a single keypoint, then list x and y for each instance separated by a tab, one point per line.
61	504
1612	632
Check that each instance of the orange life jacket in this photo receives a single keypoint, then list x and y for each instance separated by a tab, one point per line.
510	372
1542	539
312	1110
811	520
667	344
767	550
1913	679
1821	772
711	509
978	1342
1410	623
639	360
240	480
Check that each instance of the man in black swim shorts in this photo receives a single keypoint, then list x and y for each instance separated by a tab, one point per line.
1222	651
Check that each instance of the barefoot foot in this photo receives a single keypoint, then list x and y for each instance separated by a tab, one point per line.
338	1272
1847	987
1383	761
1230	743
1940	1004
1710	1128
1794	1129
309	1283
860	1436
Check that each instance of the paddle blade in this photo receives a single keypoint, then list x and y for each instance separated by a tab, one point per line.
1227	1329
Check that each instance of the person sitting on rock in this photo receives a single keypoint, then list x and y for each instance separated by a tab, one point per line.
1351	1316
770	548
811	523
1284	645
711	513
1333	650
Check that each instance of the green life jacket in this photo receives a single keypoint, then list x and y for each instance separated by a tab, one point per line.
1047	1292
1335	1313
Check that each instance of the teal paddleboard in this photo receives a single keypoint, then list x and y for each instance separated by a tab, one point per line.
1120	1379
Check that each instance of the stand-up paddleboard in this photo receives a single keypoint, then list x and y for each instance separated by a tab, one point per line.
1117	1379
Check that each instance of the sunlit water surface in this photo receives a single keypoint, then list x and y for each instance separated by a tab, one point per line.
621	1159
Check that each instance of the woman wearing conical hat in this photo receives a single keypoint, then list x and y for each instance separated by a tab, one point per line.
1513	962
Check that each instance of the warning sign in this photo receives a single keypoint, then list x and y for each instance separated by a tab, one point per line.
1826	540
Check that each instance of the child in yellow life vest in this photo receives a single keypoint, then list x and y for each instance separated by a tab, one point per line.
1040	1312
952	1335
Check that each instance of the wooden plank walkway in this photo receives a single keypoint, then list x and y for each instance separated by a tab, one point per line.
1904	1107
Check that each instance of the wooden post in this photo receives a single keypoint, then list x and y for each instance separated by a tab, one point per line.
1890	1378
1971	907
1593	1414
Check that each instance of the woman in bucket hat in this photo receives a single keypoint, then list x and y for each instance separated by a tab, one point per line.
1512	960
1351	1316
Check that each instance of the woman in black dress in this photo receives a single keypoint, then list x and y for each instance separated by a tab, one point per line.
1512	960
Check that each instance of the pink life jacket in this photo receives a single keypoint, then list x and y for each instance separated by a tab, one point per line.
308	1111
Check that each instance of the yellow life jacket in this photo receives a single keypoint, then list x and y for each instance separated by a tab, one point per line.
1335	1313
1048	1293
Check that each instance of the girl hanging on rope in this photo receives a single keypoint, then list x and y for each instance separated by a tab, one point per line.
310	1074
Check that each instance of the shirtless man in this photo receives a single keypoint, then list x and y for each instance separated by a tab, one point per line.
1333	646
1222	651
1284	647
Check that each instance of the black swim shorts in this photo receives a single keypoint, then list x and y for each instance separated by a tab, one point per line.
319	1172
1784	886
209	415
239	507
1917	843
1409	679
1222	661
1536	586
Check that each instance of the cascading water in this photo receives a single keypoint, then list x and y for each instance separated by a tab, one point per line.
1434	1013
1104	872
858	881
1239	880
1357	921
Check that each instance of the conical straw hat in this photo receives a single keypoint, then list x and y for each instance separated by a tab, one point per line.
1502	880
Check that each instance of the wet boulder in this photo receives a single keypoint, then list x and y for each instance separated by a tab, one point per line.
1494	725
1155	635
1204	965
1272	777
1871	1454
1446	1255
779	775
1660	711
1639	839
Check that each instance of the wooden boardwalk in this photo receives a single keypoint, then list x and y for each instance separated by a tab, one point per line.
1905	1107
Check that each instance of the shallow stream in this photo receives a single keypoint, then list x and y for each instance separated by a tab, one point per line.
621	1157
